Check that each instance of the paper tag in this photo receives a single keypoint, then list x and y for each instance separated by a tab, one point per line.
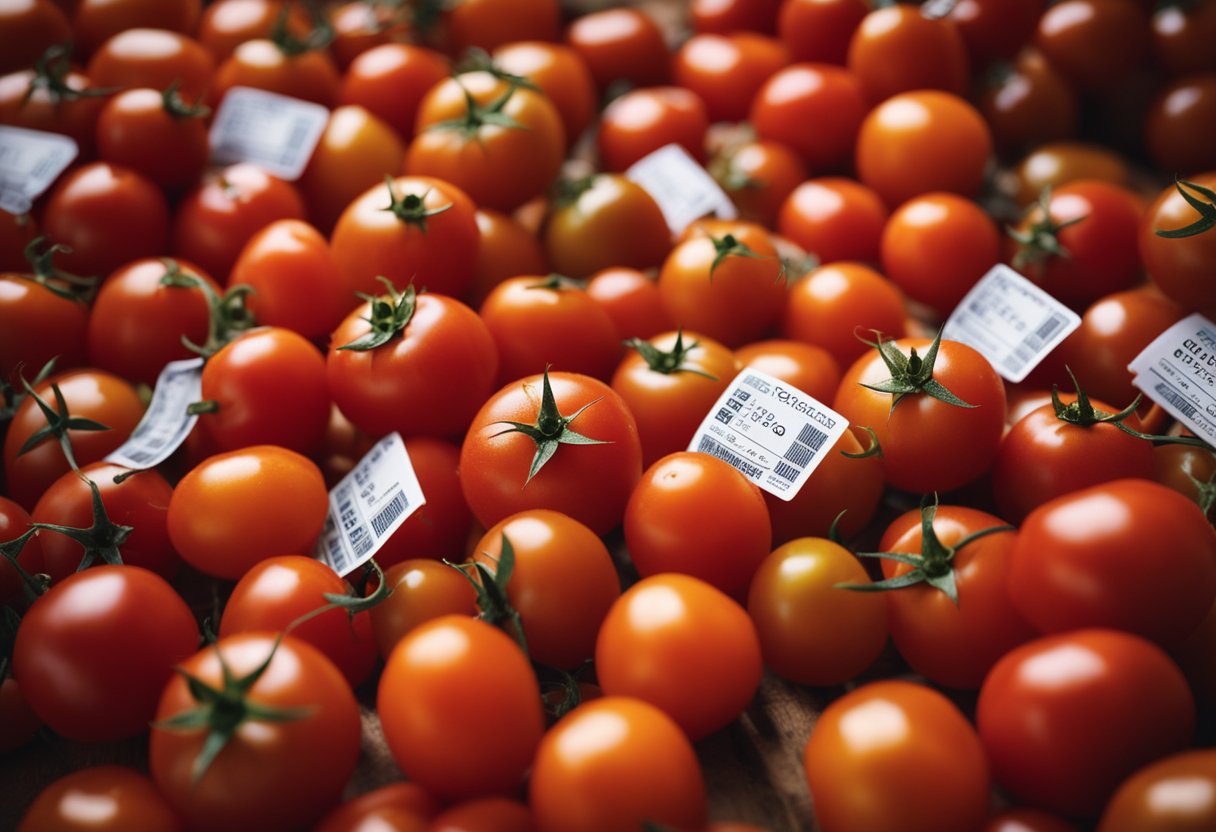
769	430
1011	322
166	424
30	160
368	505
1178	371
274	132
683	189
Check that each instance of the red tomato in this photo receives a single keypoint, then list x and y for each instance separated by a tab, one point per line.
1064	719
1177	265
505	248
727	70
898	49
96	20
226	24
486	814
811	369
1185	469
726	16
759	177
42	319
867	753
827	96
834	219
73	653
1094	43
359	27
1059	163
1175	794
287	68
621	46
643	120
440	528
399	807
1180	38
560	73
1029	104
432	699
421	590
14	522
154	134
390	81
51	97
820	30
995	29
154	58
103	799
30	27
1026	820
1182	109
632	300
489	24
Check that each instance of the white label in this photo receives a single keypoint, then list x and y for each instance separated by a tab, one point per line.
368	505
1178	371
683	189
274	132
1011	322
30	160
771	431
166	424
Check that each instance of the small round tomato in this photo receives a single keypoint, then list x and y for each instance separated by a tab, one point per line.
812	631
400	807
1029	104
995	29
52	97
14	522
643	120
632	300
29	28
1064	719
96	20
505	248
1095	43
898	49
727	70
235	509
1184	469
1177	794
626	742
279	64
433	706
153	58
1177	265
820	30
43	319
1182	111
73	655
488	24
621	46
834	219
726	16
560	73
227	24
1058	163
486	814
869	750
391	80
439	529
827	96
811	369
759	177
1181	35
421	590
100	799
154	134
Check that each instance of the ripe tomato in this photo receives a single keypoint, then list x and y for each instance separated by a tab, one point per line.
834	219
154	134
96	20
488	24
632	300
440	528
726	16
1180	38
1094	43
42	320
811	631
995	29
73	654
1182	109
759	177
621	46
1175	793
1184	469
14	522
52	97
898	49
227	24
1022	819
1059	163
1176	265
499	469
625	742
270	772
30	28
154	58
391	80
505	248
643	120
869	749
1029	104
820	30
1065	718
401	807
560	73
829	97
238	508
811	369
727	70
421	590
432	704
104	799
279	64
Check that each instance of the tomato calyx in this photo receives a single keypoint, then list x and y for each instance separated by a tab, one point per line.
58	422
494	606
670	361
566	684
352	602
102	540
481	115
177	107
477	59
1041	240
728	246
228	315
912	373
32	585
424	14
874	448
320	36
11	399
557	282
1083	414
50	75
387	317
550	430
567	191
56	281
935	563
411	209
222	710
1207	211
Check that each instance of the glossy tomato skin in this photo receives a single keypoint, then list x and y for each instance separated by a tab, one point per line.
432	704
1180	466
38	326
631	299
263	64
1180	35
136	130
562	76
835	219
1180	111
123	798
486	814
897	49
1029	105
591	483
268	775
868	750
829	97
24	104
30	28
93	21
391	80
727	70
1022	819
154	58
225	25
649	761
995	29
506	248
1058	163
1139	802
73	653
613	221
427	382
489	24
1103	533
1176	266
1065	718
237	508
1094	43
759	177
645	119
401	807
621	45
820	30
422	589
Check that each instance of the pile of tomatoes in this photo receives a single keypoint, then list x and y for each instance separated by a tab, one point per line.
581	599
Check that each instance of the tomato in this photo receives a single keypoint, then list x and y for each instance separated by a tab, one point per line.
412	228
73	653
829	97
811	631
434	702
834	303
869	750
155	135
14	522
400	807
632	300
1065	718
238	508
1029	104
220	214
269	773
436	355
440	528
898	49
18	723
391	80
1193	654
107	216
16	232
1059	163
1026	820
726	16
622	47
153	58
486	814
1180	467
820	30
52	97
1174	794
352	155
29	27
421	590
614	763
359	27
280	66
834	219
562	583
1180	37
694	514
928	444
489	24
499	143
759	177
1094	43
1177	265
1182	109
226	24
96	20
279	590
811	369
917	142
42	319
499	472
104	799
505	248
607	220
727	70
560	73
89	394
995	29
643	120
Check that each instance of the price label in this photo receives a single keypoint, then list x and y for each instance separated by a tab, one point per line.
368	505
1178	371
1011	322
165	424
683	189
30	160
275	132
770	431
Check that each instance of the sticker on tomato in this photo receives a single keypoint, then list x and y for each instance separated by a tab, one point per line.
166	423
770	431
275	132
1011	322
683	189
30	160
368	505
1178	371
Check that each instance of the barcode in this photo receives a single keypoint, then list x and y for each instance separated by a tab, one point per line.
1025	351
385	517
787	472
715	448
1186	408
141	455
812	436
799	454
1048	327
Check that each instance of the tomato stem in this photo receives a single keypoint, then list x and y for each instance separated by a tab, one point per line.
491	588
102	540
64	284
912	373
58	422
671	361
1041	240
177	107
1207	211
387	316
411	208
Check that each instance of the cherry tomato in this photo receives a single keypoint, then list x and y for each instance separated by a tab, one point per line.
1181	110
399	807
488	24
1022	819
811	369
560	73
1028	104
42	320
995	29
486	814
829	97
279	67
898	49
1094	43
726	16
621	46
96	20
52	97
834	219
643	120
155	58
440	528
104	799
1180	466
391	80
1180	37
1059	163
1174	794
29	28
227	24
154	135
422	590
1176	266
505	248
759	177
727	70
820	30
632	300
359	27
